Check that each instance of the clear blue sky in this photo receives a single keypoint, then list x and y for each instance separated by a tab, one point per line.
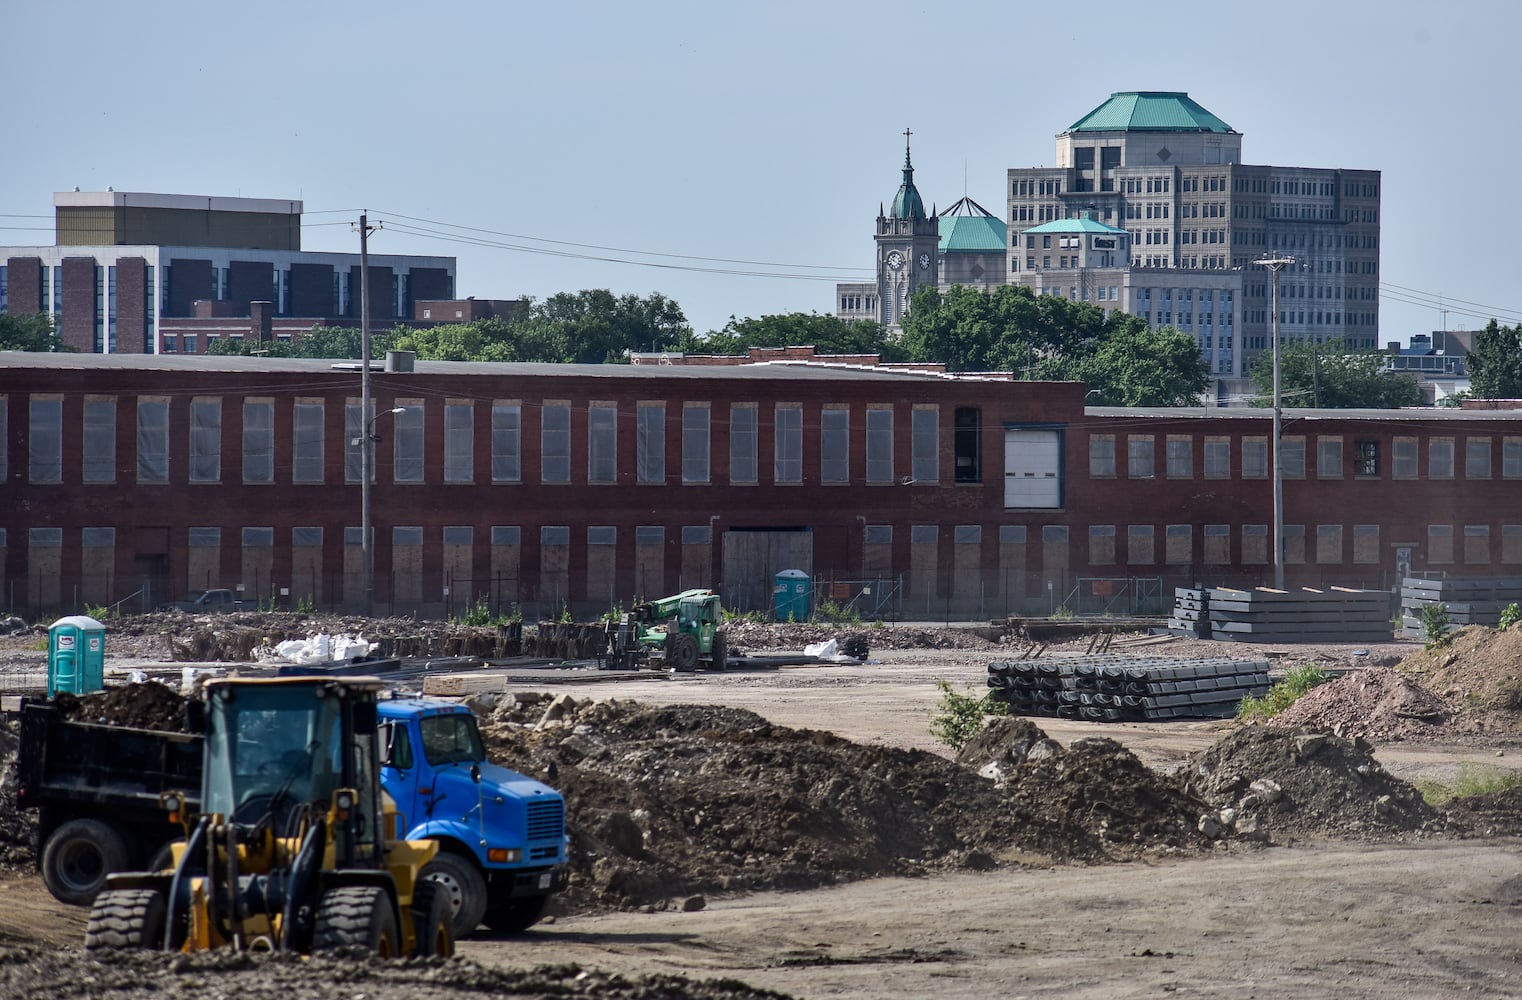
763	132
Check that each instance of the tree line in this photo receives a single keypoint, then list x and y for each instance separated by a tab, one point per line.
1122	360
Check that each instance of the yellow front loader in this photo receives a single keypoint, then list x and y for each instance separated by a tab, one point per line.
294	847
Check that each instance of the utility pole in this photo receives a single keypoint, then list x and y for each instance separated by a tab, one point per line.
366	421
1277	264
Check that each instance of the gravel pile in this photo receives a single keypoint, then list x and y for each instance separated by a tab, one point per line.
1378	704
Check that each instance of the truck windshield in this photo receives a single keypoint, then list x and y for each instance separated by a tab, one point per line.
451	739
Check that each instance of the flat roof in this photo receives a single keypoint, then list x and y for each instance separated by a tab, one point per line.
192	202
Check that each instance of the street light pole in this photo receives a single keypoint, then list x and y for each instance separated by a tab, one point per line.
1277	264
367	438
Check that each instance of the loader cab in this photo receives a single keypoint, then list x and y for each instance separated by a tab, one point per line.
277	751
699	616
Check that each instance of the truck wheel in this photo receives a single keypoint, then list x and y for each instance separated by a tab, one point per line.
684	652
517	916
356	916
126	918
431	921
78	857
463	886
720	652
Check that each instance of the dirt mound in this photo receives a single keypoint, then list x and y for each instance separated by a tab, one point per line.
1281	782
1478	671
1377	704
149	705
1495	814
672	801
755	636
1004	741
28	974
18	829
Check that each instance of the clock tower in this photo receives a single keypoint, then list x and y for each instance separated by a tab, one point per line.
907	244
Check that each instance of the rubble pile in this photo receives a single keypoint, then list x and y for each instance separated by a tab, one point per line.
37	974
1478	672
1377	704
18	829
753	636
1278	783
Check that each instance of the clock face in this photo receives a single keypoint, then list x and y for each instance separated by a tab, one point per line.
895	259
924	261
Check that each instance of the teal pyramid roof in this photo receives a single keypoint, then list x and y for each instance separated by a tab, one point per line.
970	228
1075	226
1149	111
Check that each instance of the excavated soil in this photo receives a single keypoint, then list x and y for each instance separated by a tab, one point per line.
1478	672
149	705
1378	704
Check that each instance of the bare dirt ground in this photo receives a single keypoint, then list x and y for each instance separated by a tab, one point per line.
1330	897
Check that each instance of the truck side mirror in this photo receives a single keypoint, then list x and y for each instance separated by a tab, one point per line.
387	742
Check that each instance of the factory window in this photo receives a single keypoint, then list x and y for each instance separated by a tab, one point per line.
1329	544
834	445
1101	544
99	443
1255	458
507	442
1218	458
602	443
743	443
926	441
1140	545
1511	458
1139	456
259	441
879	444
1180	457
459	441
306	460
1439	543
205	440
45	440
968	444
650	430
1101	456
1403	458
695	453
1477	543
1292	457
1477	458
152	440
1440	458
1366	458
1328	457
789	443
555	443
354	440
407	434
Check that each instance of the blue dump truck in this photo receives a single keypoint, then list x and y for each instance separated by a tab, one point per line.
502	838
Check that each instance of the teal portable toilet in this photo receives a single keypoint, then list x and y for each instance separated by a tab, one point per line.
792	596
76	655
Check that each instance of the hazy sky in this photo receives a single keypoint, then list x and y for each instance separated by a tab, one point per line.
750	143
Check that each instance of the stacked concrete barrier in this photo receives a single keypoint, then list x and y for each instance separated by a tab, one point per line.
1126	688
1467	600
1335	614
1191	612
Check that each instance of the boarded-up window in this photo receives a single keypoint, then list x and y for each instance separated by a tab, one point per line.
1328	457
789	442
602	443
650	448
408	434
205	440
1254	458
743	436
1180	457
1101	456
459	442
1218	544
307	456
1294	544
1439	543
1329	544
1403	458
1218	458
1477	543
879	445
1178	544
1477	458
926	444
555	443
45	441
1366	543
1141	545
99	440
152	440
834	445
259	441
506	443
1292	457
1139	456
1440	458
1511	543
1101	544
695	419
1255	544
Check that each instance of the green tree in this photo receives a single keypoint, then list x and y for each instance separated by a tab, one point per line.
32	332
594	326
1136	365
1333	376
826	334
1495	362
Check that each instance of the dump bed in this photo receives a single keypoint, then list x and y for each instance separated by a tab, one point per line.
83	762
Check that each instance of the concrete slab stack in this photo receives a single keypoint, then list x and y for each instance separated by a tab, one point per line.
1127	688
1191	612
1468	600
1335	614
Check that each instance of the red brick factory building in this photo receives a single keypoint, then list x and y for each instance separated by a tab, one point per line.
910	494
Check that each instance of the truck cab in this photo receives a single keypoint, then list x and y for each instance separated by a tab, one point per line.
503	846
207	602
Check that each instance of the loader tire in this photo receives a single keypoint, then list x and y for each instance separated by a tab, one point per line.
464	887
432	921
126	918
720	652
684	652
356	916
78	857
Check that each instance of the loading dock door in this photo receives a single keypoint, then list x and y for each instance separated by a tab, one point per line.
752	559
1033	469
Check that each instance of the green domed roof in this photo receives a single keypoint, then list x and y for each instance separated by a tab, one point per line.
1149	111
907	204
